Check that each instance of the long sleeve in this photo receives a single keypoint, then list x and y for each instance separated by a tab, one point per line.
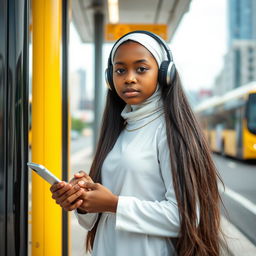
138	170
87	220
159	218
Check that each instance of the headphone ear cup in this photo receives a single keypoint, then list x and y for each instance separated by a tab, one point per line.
109	78
167	72
171	73
162	73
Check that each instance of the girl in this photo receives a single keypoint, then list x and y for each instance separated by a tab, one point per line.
153	184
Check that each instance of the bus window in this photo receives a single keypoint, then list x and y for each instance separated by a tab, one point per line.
251	113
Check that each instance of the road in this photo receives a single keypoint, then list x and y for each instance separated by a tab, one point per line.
80	160
81	143
239	200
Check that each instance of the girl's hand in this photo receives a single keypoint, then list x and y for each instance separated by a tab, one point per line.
67	196
98	198
80	176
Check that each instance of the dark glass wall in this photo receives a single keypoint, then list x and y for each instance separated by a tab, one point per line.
13	126
3	79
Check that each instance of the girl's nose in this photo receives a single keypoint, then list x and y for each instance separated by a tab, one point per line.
130	78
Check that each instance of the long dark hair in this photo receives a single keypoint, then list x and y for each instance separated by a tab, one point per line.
195	177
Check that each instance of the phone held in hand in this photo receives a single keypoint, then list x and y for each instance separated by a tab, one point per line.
44	173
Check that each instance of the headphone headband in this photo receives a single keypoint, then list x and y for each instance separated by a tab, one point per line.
156	37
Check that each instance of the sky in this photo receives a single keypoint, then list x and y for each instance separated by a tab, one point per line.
198	46
200	43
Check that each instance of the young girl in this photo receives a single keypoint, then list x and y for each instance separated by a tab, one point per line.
152	188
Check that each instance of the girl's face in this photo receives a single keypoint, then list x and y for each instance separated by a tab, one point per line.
135	73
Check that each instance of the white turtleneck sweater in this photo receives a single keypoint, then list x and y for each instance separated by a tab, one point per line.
138	170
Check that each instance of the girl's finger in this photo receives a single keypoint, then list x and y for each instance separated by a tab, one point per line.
84	178
88	185
57	186
70	200
73	181
74	206
80	174
69	193
58	193
89	179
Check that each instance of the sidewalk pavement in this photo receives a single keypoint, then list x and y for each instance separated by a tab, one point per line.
238	244
79	161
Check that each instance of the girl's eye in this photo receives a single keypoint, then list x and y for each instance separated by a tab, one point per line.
142	69
120	71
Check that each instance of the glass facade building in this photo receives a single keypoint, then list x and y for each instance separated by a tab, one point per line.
242	20
240	60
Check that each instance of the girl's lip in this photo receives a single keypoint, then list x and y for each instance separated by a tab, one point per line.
130	90
133	93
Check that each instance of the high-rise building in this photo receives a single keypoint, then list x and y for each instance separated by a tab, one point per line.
239	66
240	60
242	20
82	85
78	90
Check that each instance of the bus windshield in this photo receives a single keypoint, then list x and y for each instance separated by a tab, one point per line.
252	113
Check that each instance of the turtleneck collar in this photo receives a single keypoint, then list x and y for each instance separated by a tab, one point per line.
152	105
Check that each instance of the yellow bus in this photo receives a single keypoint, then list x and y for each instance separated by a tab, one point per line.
229	122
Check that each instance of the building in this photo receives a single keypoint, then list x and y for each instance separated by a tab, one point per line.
243	57
82	89
239	66
240	60
77	90
220	84
242	20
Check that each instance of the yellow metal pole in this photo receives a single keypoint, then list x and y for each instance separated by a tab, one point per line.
46	124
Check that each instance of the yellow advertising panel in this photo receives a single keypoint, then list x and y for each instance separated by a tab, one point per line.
115	31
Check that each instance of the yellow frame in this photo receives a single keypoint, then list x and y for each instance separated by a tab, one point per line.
46	124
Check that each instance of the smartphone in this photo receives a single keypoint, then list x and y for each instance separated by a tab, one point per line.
44	173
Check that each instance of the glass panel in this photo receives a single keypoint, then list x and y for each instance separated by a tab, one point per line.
252	113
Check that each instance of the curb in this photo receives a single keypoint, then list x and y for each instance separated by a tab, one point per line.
237	242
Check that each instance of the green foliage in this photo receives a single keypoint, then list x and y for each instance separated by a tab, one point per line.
77	124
